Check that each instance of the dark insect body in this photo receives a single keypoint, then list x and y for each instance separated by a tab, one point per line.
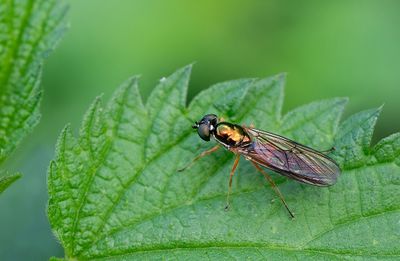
272	151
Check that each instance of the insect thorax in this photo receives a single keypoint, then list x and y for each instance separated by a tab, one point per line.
231	135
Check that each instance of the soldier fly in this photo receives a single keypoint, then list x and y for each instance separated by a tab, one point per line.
269	150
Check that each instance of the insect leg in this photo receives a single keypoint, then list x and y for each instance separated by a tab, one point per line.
204	153
275	188
235	164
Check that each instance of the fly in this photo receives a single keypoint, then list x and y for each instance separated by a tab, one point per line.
269	150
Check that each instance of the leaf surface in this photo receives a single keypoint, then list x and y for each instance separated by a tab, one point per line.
29	30
7	180
115	192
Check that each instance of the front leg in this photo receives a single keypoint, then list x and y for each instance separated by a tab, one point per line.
204	153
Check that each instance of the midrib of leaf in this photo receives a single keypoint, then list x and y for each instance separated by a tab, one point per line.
256	246
42	35
13	55
15	47
243	245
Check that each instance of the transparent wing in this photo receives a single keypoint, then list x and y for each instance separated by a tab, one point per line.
290	158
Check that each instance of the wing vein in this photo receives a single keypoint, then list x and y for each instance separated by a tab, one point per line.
290	158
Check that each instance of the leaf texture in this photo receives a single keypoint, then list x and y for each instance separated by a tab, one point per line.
115	193
29	30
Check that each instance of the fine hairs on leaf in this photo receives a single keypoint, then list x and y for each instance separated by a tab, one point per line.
29	31
115	193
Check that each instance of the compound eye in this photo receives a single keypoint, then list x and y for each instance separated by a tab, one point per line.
204	132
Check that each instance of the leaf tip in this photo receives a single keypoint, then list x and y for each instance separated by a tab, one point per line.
131	83
65	134
6	181
184	72
340	103
187	70
376	111
128	91
281	76
342	100
134	80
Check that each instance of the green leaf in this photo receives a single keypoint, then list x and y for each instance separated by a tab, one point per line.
115	192
29	30
6	181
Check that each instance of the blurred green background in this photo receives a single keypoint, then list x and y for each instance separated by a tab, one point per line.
328	49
